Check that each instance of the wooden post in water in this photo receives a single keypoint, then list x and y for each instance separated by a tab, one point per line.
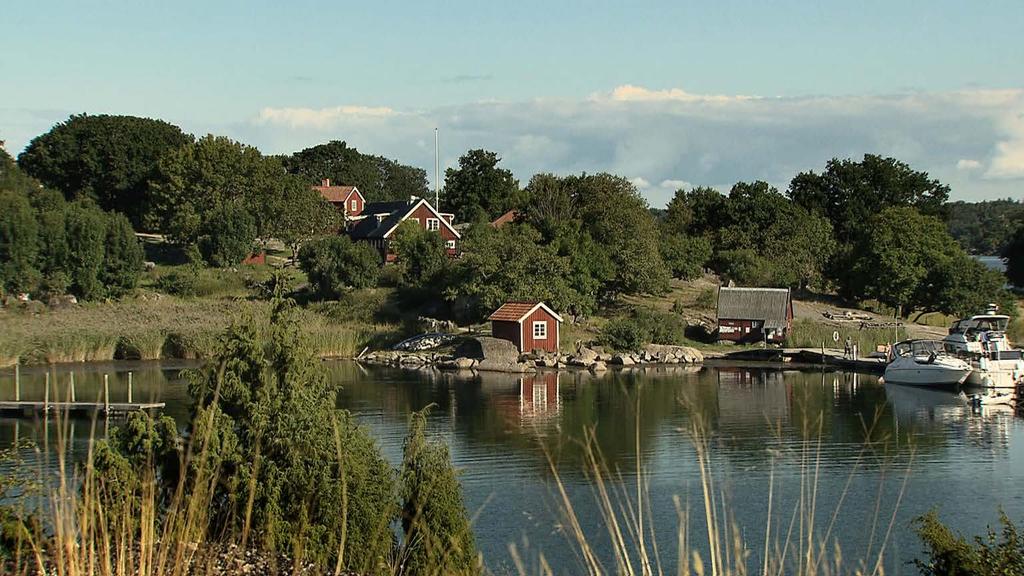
46	396
72	386
17	382
129	387
106	393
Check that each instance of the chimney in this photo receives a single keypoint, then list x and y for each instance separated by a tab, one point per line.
325	182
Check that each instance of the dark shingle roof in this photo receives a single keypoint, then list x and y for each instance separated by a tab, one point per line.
770	305
368	227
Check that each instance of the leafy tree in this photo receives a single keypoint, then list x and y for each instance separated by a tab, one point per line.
336	262
616	217
478	189
86	234
550	205
849	193
108	158
227	235
437	535
284	461
378	178
302	215
1014	255
194	180
122	259
18	243
642	326
505	264
685	256
960	284
420	253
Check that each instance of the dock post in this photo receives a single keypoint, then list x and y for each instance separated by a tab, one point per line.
129	387
106	394
72	387
17	381
46	396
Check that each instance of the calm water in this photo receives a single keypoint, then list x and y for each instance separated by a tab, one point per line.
864	437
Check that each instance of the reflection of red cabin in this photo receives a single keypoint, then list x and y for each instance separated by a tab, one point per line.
538	394
528	325
348	199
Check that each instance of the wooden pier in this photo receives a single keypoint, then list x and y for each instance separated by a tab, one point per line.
72	407
809	357
29	408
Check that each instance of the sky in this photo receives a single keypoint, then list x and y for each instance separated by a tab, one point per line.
669	94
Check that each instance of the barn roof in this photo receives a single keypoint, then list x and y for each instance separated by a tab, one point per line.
517	311
770	305
336	193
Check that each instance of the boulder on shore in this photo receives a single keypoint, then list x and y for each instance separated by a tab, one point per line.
488	348
663	353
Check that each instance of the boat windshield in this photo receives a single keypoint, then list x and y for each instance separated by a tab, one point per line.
982	324
919	348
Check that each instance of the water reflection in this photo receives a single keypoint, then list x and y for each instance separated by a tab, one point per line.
502	429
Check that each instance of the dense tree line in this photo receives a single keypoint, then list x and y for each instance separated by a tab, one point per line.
985	227
378	178
53	246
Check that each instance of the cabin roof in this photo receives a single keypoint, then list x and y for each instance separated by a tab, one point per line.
769	305
518	311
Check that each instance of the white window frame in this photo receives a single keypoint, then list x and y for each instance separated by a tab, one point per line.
415	219
354	204
433	224
449	244
541	334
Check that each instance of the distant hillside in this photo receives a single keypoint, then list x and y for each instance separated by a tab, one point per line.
984	227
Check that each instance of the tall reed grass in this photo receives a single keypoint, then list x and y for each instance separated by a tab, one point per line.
159	326
808	334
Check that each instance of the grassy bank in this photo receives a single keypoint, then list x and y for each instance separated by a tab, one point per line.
152	326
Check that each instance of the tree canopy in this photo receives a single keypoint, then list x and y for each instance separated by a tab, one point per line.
107	158
1014	255
378	178
478	189
849	193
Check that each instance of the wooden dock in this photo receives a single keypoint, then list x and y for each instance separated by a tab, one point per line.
809	357
31	408
72	407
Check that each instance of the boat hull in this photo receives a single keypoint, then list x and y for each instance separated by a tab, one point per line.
926	375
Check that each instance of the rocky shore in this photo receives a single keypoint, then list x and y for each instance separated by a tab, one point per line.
487	354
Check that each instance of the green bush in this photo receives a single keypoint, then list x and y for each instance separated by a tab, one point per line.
18	243
122	259
183	281
950	554
227	235
311	474
642	326
86	233
437	535
335	263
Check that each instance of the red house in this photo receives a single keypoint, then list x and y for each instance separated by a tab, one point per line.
378	221
348	199
754	314
528	325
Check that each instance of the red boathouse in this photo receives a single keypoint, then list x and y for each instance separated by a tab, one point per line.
528	325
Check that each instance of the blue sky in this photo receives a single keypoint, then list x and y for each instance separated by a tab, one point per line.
665	93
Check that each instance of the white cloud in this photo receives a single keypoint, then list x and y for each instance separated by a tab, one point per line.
640	183
323	118
656	135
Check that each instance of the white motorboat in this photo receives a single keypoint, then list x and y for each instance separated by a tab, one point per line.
981	341
925	363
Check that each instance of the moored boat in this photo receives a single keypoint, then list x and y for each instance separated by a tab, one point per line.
981	341
925	363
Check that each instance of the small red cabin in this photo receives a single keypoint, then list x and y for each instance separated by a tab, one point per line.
528	325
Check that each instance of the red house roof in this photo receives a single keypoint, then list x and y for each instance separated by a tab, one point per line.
505	218
516	311
335	193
